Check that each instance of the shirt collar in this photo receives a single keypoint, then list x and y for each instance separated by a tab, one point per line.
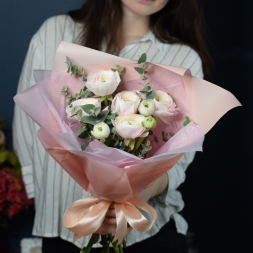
150	36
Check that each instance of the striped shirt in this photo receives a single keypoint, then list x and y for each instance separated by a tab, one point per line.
53	189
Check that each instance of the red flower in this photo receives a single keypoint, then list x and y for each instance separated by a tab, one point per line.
2	197
12	194
14	209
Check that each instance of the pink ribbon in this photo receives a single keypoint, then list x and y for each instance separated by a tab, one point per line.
85	216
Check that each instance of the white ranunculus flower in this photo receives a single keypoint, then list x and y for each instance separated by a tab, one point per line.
125	102
130	126
146	107
75	106
165	106
103	82
101	131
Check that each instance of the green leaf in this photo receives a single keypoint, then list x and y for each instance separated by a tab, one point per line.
90	120
151	95
139	70
64	88
85	93
68	61
114	70
142	59
121	69
83	146
81	132
97	108
102	115
111	116
187	121
88	108
82	72
74	69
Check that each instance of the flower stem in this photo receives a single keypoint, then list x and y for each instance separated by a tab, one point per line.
138	143
106	247
106	101
94	238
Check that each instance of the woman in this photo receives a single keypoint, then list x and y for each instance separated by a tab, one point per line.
169	32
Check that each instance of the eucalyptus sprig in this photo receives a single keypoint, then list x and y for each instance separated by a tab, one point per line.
142	70
119	69
74	69
83	93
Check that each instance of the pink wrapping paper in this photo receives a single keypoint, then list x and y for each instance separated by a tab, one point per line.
106	172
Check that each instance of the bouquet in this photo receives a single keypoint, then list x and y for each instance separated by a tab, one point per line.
116	126
13	197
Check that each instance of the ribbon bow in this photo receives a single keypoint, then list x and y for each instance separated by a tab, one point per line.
85	216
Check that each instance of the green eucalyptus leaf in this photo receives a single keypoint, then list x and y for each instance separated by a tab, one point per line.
82	72
142	59
82	131
102	115
151	95
85	93
187	121
121	69
90	120
74	69
88	108
139	70
68	61
83	146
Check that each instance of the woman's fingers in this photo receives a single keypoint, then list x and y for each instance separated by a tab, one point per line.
110	221
111	212
106	229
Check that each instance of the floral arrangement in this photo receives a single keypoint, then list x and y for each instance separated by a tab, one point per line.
124	119
119	131
13	197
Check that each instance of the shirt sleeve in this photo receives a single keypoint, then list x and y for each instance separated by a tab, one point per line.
22	123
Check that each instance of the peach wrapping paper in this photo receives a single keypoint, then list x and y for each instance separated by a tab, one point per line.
108	173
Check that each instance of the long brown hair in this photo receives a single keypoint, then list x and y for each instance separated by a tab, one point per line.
180	21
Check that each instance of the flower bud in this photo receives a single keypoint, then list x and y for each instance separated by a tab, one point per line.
146	107
101	131
149	122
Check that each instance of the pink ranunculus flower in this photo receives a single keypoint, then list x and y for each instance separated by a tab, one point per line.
103	82
75	106
130	126
125	102
165	107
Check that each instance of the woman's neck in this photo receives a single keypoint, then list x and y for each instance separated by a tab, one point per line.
133	28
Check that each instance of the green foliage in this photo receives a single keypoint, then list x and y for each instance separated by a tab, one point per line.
74	69
93	120
187	121
142	59
139	70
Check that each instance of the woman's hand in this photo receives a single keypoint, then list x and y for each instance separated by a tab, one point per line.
109	224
